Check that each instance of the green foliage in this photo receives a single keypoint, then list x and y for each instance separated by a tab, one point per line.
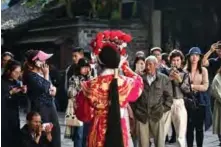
100	8
134	9
102	12
32	3
115	15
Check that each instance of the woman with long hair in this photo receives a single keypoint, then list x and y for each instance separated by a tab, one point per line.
103	100
77	132
11	92
41	91
199	83
139	65
216	92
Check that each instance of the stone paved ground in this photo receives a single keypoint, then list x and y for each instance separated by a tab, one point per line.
209	141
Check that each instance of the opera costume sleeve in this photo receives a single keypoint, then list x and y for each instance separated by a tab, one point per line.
135	81
84	111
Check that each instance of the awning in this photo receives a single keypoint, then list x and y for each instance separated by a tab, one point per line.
39	39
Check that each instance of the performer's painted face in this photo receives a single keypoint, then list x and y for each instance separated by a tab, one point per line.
76	56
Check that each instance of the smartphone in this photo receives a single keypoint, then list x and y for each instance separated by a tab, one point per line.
20	84
218	46
39	63
44	125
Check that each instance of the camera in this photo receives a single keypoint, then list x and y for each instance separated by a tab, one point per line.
173	68
218	45
44	125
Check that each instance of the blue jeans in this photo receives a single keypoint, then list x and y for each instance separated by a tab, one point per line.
80	135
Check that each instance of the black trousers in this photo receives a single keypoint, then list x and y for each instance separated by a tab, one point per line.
195	122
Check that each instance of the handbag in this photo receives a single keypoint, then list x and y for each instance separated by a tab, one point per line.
190	100
72	121
70	118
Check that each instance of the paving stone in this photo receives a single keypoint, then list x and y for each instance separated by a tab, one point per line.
210	140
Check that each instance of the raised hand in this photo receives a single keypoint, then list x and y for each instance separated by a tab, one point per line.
15	90
45	69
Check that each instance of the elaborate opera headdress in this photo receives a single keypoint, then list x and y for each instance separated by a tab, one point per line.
109	48
115	38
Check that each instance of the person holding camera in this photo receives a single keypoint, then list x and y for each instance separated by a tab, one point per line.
41	91
213	64
12	91
180	86
35	134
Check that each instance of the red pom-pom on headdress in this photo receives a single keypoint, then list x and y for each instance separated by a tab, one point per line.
116	39
106	34
126	38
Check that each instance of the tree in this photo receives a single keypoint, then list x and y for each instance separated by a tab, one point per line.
94	8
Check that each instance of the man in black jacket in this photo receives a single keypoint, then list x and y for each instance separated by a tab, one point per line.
33	134
77	54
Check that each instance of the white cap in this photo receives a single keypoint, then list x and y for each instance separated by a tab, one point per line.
155	48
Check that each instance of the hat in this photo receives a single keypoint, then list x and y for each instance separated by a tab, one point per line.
155	49
77	49
194	50
83	62
140	53
42	56
8	54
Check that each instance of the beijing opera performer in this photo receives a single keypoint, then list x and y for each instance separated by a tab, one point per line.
103	100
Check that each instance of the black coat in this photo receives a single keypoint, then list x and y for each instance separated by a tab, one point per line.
28	141
10	122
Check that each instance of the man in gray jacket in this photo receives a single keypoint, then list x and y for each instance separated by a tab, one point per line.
154	102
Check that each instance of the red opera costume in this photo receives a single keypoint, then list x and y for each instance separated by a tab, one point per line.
93	102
